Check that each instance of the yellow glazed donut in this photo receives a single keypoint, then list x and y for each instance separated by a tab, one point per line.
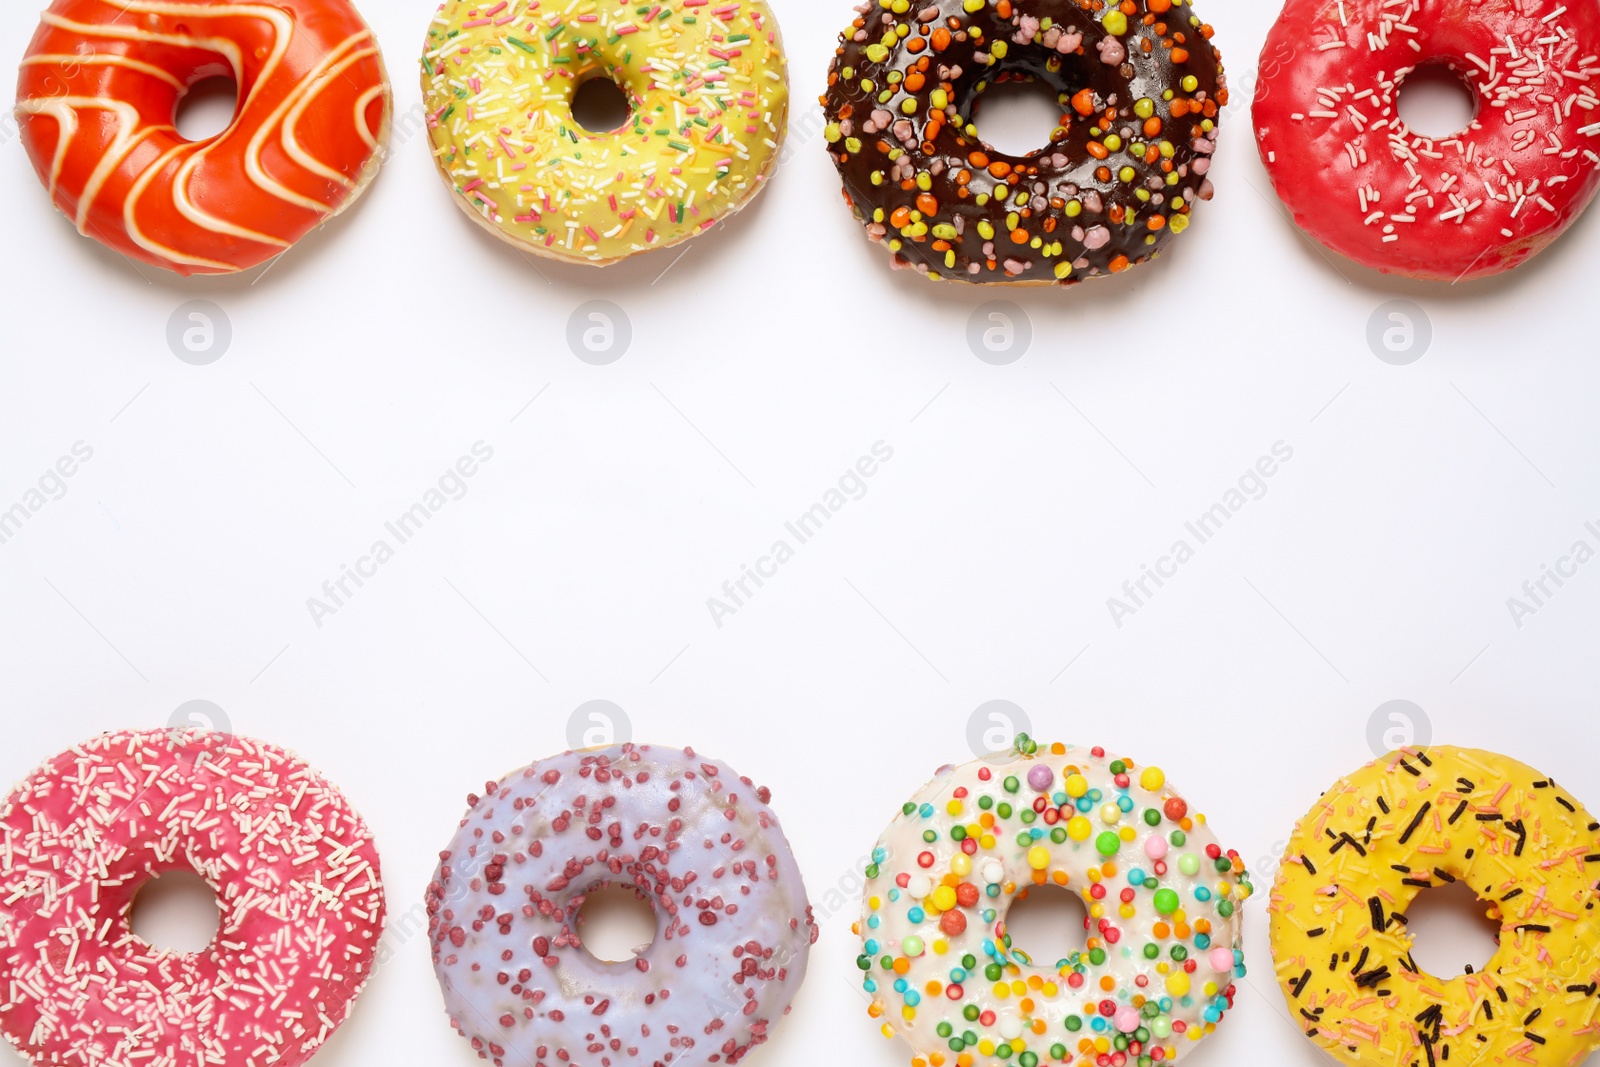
709	91
1421	818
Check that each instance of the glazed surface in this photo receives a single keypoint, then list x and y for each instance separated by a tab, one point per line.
99	89
1164	904
297	881
1140	87
1357	178
1381	837
708	86
685	833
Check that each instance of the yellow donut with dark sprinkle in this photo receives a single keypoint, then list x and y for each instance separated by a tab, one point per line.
1417	819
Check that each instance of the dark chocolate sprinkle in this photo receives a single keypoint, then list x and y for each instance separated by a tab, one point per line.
1416	821
1372	978
1300	983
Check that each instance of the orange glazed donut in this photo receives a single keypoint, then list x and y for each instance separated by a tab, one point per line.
99	89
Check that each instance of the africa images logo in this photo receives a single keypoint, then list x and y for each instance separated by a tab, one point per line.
852	485
1252	486
451	486
51	486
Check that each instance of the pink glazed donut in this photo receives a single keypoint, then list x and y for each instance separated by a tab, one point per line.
691	838
297	882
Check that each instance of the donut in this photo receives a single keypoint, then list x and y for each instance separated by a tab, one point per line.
1140	87
1357	178
1383	836
100	86
709	90
297	882
1164	919
692	839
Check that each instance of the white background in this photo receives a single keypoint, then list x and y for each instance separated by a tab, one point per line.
763	364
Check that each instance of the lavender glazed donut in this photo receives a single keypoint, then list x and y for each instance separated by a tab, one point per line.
692	839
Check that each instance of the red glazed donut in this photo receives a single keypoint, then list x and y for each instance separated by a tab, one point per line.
296	877
100	85
1477	203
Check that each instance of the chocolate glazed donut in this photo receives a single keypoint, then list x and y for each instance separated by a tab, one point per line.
1141	89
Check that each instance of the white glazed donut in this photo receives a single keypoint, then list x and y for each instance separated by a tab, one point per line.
1157	972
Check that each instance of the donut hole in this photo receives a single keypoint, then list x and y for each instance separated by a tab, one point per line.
1016	117
1451	931
207	108
601	106
176	912
616	924
1437	102
1049	923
